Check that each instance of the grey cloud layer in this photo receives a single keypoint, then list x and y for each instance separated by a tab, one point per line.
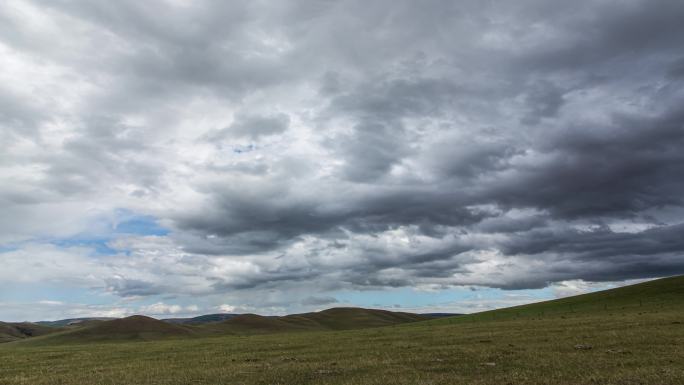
351	145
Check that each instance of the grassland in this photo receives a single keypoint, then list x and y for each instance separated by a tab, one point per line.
627	336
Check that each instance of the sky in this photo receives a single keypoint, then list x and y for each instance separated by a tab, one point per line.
175	158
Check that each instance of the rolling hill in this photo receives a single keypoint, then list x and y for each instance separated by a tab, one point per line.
9	333
20	330
141	328
253	324
344	318
645	297
649	296
134	328
331	319
626	336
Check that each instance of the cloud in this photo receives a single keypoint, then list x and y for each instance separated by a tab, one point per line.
54	310
293	148
255	126
318	301
578	286
161	308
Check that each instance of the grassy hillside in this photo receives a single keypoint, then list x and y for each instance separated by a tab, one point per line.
639	340
253	324
135	328
20	330
331	319
140	328
9	333
651	296
354	318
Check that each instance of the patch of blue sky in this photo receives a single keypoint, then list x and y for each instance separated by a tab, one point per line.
139	225
7	248
406	297
99	245
124	223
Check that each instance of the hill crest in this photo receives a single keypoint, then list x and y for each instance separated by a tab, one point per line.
133	328
340	318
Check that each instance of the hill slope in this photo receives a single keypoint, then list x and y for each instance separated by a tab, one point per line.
650	296
141	328
331	319
343	318
9	333
12	331
253	324
134	328
637	340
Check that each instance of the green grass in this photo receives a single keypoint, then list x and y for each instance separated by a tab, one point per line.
648	296
636	335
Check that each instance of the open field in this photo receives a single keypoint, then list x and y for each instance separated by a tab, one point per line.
626	336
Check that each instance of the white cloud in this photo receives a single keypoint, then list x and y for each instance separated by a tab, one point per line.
48	302
56	310
577	286
161	308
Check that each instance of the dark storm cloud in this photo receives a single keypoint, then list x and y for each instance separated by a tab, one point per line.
241	223
371	151
576	169
621	169
391	100
601	254
395	143
504	224
271	279
599	32
600	243
132	287
544	101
